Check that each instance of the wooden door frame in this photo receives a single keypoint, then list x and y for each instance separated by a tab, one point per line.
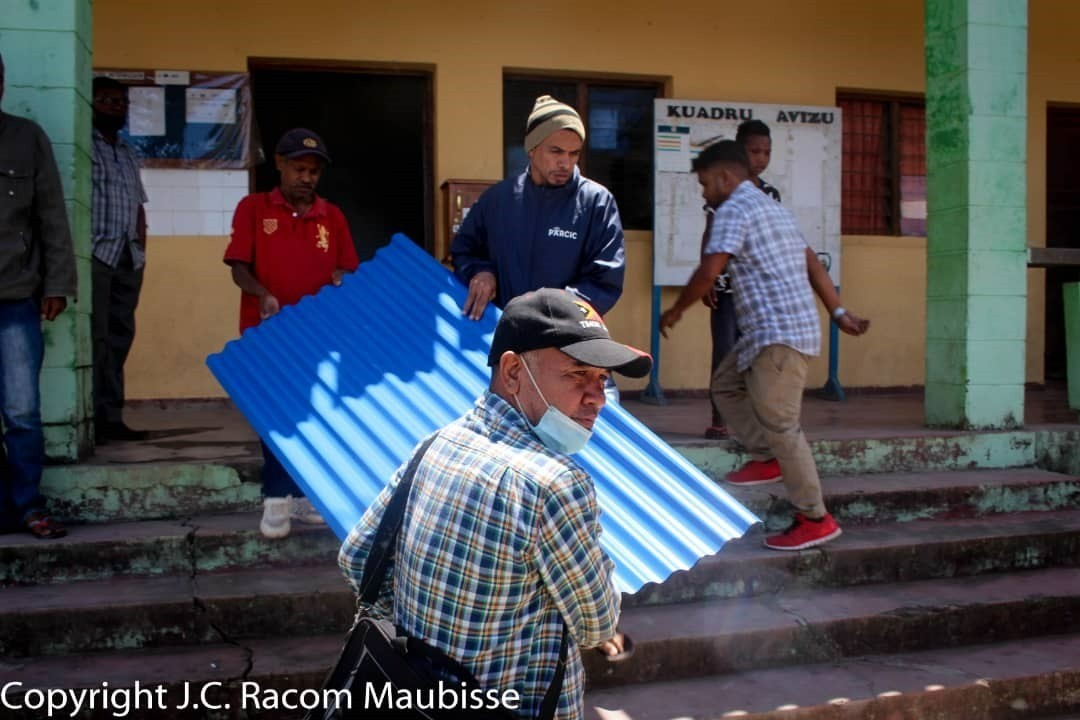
422	70
1060	110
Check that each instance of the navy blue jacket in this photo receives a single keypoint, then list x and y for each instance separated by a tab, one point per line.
532	236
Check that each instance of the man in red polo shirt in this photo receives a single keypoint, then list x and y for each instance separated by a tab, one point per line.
287	243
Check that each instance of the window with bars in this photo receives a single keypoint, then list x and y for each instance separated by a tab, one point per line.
618	117
883	190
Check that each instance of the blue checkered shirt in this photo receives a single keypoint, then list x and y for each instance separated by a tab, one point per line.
499	545
774	302
118	193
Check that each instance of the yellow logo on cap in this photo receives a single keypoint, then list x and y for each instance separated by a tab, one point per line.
591	318
310	142
587	310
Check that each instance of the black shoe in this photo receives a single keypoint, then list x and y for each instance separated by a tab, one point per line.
120	431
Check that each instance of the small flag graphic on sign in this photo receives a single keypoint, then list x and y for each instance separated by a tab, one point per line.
672	138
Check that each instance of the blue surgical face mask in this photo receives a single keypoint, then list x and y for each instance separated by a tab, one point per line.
556	430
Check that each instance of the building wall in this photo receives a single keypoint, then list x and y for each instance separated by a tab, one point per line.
785	51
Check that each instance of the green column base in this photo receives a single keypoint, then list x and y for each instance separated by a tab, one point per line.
1072	341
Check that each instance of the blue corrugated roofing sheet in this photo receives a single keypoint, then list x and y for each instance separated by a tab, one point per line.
345	383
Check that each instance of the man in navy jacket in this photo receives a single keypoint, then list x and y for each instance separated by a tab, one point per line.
548	227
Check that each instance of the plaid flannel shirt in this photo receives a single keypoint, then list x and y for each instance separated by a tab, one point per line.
723	280
774	302
499	545
117	194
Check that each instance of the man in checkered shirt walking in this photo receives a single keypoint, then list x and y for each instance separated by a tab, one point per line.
499	544
759	385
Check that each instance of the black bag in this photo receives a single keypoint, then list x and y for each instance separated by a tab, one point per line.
379	661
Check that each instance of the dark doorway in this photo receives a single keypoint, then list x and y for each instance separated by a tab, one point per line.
1062	224
376	124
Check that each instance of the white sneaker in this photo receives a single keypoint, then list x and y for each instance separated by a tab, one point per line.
275	519
303	511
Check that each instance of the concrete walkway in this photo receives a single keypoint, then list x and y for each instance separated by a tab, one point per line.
212	430
862	415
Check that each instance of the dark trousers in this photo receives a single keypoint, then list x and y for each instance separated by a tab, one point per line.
276	481
116	294
724	334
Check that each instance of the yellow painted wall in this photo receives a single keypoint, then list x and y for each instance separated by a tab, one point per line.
783	51
188	309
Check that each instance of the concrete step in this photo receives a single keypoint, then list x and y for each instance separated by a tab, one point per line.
204	542
131	490
799	624
821	625
201	472
892	552
197	544
885	553
860	450
136	612
240	675
1029	678
1025	678
885	497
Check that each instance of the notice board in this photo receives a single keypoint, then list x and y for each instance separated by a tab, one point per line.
187	118
805	168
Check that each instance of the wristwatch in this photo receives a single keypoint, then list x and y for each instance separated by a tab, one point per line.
839	313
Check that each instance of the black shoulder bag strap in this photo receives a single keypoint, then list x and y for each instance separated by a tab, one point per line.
382	548
551	697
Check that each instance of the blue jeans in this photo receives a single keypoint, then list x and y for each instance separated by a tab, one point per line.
276	481
21	354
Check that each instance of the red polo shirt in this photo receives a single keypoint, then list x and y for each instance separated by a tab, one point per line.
291	255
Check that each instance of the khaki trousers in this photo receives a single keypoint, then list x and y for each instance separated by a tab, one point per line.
762	408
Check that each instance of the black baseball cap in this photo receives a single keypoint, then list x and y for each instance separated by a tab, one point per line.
552	318
301	141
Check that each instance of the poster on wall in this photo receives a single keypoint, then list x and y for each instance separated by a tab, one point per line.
805	168
187	119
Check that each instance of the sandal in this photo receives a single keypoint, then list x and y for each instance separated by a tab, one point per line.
44	526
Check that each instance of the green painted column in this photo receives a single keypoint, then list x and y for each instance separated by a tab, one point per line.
47	48
976	118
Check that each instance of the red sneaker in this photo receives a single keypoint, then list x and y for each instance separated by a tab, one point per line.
756	473
805	533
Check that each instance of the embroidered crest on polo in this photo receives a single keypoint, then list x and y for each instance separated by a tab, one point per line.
324	238
269	225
